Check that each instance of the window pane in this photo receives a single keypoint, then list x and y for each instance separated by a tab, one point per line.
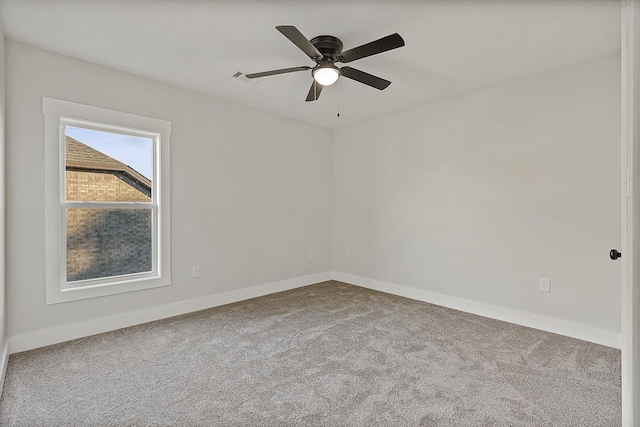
108	242
105	166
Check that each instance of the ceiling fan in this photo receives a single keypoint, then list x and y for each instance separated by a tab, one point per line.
326	51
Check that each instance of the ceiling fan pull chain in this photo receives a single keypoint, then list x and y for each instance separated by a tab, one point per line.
315	107
338	115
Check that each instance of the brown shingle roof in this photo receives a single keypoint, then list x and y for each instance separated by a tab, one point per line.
77	152
81	156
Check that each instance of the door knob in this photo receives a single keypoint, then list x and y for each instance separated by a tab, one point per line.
614	254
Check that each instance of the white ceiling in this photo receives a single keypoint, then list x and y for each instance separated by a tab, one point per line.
452	47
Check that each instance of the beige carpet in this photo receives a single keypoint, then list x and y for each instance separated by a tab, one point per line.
330	354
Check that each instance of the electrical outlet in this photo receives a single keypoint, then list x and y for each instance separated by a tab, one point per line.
310	254
545	285
349	255
195	271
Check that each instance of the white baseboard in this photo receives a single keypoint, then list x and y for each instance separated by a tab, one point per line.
60	334
4	359
531	320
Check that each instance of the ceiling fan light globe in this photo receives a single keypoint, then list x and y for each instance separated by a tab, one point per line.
326	76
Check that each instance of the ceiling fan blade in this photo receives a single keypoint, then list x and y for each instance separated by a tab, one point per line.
274	72
314	92
297	38
384	44
366	78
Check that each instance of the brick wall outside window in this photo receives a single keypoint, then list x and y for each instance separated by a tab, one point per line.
106	242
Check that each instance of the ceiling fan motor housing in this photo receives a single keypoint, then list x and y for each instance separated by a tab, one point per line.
329	46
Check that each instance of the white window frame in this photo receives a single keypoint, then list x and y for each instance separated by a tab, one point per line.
58	115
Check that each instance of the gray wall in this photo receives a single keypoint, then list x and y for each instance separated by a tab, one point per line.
250	191
3	328
475	197
480	196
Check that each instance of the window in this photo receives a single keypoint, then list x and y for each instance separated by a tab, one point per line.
107	200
